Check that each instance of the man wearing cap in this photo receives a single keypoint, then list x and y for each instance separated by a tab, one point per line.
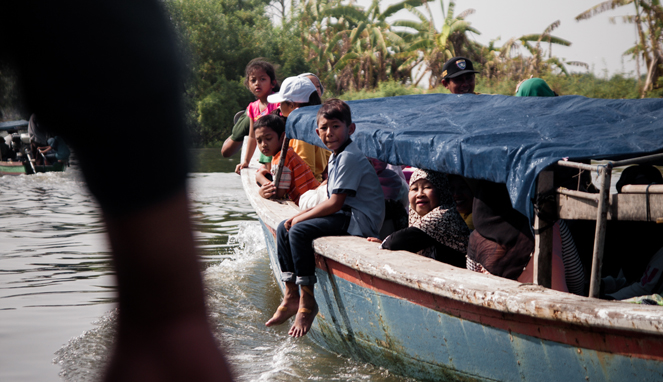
458	76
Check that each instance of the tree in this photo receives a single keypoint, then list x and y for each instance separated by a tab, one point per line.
219	37
648	22
433	47
507	62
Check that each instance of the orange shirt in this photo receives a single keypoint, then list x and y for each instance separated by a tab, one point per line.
296	177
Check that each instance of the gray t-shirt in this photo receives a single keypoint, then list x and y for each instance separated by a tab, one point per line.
351	173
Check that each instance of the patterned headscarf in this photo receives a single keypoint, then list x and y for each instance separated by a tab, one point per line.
443	223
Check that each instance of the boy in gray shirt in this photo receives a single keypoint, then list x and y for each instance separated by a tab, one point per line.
355	206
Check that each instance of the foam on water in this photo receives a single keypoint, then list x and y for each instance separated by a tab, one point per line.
85	357
241	296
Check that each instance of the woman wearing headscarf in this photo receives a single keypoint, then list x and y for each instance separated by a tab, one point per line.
436	229
534	87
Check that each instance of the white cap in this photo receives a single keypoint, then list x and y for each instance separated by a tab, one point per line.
293	89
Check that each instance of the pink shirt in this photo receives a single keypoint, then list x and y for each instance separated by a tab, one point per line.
254	112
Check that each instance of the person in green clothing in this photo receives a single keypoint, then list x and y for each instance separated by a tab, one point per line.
534	87
234	142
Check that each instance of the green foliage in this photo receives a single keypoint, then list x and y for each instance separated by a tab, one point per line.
385	89
587	84
357	55
218	37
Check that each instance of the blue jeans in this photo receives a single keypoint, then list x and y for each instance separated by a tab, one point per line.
295	247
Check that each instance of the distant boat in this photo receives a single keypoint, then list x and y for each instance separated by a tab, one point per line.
24	163
428	320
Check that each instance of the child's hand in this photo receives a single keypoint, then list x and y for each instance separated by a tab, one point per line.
289	223
374	240
238	169
267	190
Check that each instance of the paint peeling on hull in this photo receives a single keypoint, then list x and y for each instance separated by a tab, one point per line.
431	321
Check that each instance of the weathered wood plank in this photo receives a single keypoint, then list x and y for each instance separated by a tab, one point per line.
622	207
642	189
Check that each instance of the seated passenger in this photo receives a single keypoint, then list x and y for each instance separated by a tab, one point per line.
639	174
650	283
298	92
395	198
38	139
241	128
463	196
436	229
296	177
568	274
56	150
6	152
502	243
635	238
354	208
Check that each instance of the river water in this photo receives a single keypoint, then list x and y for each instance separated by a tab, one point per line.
58	295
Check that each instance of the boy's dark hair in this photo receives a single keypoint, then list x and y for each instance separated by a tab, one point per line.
260	63
335	109
274	122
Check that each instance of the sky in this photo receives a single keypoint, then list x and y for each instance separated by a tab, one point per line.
595	41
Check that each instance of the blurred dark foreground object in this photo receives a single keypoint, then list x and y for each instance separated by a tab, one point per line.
92	70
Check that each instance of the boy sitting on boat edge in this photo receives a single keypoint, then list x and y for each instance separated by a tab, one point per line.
355	207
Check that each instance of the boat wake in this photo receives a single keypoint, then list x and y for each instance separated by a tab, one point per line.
241	296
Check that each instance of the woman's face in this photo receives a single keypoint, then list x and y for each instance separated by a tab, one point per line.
423	197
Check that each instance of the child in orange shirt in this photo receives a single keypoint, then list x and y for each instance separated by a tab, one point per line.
296	177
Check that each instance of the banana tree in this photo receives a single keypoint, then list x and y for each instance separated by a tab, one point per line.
509	62
319	29
370	48
648	22
433	47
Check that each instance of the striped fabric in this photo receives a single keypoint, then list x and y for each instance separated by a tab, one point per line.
573	270
296	177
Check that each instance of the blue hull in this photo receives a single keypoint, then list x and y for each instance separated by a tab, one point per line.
368	319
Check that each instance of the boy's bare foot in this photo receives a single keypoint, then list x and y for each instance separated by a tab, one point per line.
308	309
303	321
287	309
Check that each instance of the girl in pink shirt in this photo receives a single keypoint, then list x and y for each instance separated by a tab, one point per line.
261	81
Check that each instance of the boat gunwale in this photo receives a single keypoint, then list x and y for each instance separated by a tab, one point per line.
492	292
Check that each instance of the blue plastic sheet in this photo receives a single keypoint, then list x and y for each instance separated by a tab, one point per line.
498	138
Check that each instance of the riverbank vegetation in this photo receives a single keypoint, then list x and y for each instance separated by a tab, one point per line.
365	52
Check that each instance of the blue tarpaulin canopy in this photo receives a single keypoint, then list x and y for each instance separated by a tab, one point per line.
497	138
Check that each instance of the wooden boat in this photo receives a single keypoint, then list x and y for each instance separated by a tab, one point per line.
24	164
432	321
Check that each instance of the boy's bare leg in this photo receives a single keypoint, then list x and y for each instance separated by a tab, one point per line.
308	309
288	307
